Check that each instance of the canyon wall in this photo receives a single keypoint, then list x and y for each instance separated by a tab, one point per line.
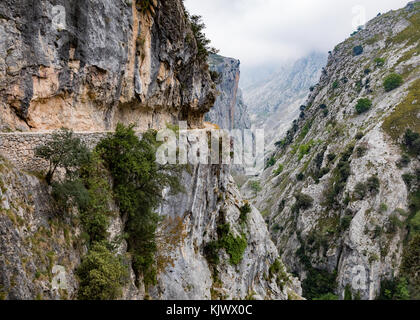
340	194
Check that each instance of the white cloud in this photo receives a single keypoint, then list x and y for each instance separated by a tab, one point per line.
269	31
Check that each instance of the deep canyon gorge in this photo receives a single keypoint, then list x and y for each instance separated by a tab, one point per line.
335	214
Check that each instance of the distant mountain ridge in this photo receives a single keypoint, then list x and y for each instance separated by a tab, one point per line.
274	101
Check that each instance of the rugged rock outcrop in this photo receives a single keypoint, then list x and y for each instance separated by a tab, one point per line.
229	111
338	199
88	65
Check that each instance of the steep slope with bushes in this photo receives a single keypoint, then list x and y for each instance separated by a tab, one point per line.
341	192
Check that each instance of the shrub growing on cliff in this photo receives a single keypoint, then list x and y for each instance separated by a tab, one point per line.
339	178
278	270
300	176
363	105
216	77
271	162
359	136
95	217
279	170
348	294
410	266
373	184
412	141
345	222
101	274
392	82
380	62
70	193
234	246
255	186
244	211
203	44
304	149
360	191
357	50
303	202
328	296
396	289
361	151
404	161
138	184
63	150
319	284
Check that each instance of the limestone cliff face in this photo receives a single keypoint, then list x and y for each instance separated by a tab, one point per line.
32	239
229	111
87	65
332	152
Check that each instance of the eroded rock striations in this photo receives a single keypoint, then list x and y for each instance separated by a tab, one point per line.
338	199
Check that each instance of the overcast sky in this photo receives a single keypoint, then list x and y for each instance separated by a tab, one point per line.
271	31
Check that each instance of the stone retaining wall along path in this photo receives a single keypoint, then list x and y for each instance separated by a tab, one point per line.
19	147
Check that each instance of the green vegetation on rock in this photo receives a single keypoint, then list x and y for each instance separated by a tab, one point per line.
63	150
380	62
392	82
279	170
396	289
271	162
318	284
363	105
339	179
102	274
303	202
357	50
278	270
203	43
405	114
234	246
244	211
412	142
255	186
138	181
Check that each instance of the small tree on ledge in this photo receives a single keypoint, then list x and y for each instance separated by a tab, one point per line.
63	150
